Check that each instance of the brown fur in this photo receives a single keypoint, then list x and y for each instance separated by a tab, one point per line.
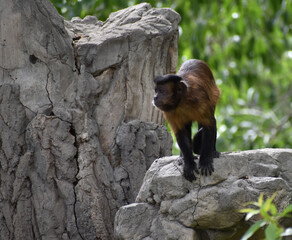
200	98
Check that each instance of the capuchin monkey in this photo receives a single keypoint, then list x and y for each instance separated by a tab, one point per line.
188	96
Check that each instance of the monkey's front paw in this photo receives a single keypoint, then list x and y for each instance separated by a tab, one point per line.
189	175
189	172
206	166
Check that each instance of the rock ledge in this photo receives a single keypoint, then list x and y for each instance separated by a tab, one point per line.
168	206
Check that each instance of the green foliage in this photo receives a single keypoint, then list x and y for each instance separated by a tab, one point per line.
82	8
248	45
270	219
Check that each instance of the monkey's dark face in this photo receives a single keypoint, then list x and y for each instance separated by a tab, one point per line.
167	96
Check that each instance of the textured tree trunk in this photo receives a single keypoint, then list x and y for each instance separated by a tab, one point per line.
77	127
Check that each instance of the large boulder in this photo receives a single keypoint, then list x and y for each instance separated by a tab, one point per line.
170	207
77	127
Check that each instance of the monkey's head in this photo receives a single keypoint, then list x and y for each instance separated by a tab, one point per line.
168	92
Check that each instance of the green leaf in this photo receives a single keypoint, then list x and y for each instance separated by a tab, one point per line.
251	203
273	210
267	203
253	228
266	207
260	201
286	211
287	232
246	210
271	232
264	213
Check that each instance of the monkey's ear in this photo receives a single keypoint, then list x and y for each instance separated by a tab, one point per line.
159	79
167	78
182	86
173	78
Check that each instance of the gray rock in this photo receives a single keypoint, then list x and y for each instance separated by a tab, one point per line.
208	207
139	145
139	230
77	127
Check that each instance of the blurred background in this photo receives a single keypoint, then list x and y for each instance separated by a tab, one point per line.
248	46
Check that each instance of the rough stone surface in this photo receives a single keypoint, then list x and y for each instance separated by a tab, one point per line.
170	207
77	127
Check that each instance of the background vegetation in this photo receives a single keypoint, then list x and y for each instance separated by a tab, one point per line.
248	45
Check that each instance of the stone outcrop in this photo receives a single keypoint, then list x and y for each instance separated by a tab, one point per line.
170	207
77	127
78	133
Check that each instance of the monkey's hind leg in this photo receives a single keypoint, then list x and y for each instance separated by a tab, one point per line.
208	151
197	141
216	154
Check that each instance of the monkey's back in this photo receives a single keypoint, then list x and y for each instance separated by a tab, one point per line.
199	78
